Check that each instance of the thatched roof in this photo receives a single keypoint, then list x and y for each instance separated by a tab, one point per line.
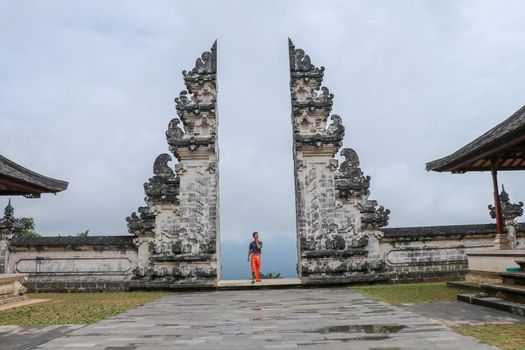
17	180
504	143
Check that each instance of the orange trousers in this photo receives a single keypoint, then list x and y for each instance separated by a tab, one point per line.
255	263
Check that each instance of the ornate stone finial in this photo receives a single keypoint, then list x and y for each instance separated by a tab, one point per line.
174	132
350	180
373	217
325	95
336	128
504	196
205	66
9	211
9	225
351	161
161	167
164	185
509	210
183	99
143	224
301	64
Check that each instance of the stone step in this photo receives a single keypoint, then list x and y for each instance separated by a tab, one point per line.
521	262
464	285
494	303
511	292
514	277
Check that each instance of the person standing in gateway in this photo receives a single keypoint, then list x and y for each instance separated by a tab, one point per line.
254	257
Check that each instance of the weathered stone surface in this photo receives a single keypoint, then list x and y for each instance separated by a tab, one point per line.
9	226
435	252
510	212
177	232
317	318
333	212
74	263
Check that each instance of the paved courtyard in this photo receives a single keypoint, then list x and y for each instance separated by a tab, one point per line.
269	319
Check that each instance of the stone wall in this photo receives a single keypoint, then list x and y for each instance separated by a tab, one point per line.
435	252
109	262
74	263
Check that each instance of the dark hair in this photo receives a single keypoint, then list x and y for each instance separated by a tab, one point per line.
253	234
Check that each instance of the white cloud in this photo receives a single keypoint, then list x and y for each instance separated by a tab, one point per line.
86	93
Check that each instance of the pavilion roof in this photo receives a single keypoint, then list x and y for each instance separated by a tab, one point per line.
17	180
505	143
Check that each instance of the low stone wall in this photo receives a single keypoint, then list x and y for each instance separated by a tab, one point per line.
74	263
435	252
108	262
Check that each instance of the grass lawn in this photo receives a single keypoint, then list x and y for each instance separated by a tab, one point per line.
411	292
78	308
505	336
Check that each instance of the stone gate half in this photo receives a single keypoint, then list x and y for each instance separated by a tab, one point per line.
337	225
177	233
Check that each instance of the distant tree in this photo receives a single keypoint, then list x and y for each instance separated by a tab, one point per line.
29	228
83	233
270	275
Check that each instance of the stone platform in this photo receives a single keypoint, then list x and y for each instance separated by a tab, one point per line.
265	283
326	318
12	288
494	260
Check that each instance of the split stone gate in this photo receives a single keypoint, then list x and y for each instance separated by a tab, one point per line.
177	233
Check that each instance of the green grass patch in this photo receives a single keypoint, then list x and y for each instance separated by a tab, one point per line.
505	336
75	308
410	292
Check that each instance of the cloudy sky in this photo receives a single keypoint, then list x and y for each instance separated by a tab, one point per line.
87	88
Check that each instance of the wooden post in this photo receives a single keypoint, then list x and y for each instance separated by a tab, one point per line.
501	241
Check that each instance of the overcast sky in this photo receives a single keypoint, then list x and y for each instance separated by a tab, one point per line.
87	88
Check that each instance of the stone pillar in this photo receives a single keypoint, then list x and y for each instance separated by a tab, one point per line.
178	231
335	219
9	226
510	212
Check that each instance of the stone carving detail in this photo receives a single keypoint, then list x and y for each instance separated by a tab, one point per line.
350	180
336	129
177	231
510	212
9	225
300	63
174	132
142	224
373	216
163	187
336	222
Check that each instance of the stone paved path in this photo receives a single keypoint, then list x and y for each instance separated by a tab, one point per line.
266	319
455	313
27	337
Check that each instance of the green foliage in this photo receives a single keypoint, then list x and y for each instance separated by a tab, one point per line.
83	233
410	292
75	308
270	275
504	336
29	228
